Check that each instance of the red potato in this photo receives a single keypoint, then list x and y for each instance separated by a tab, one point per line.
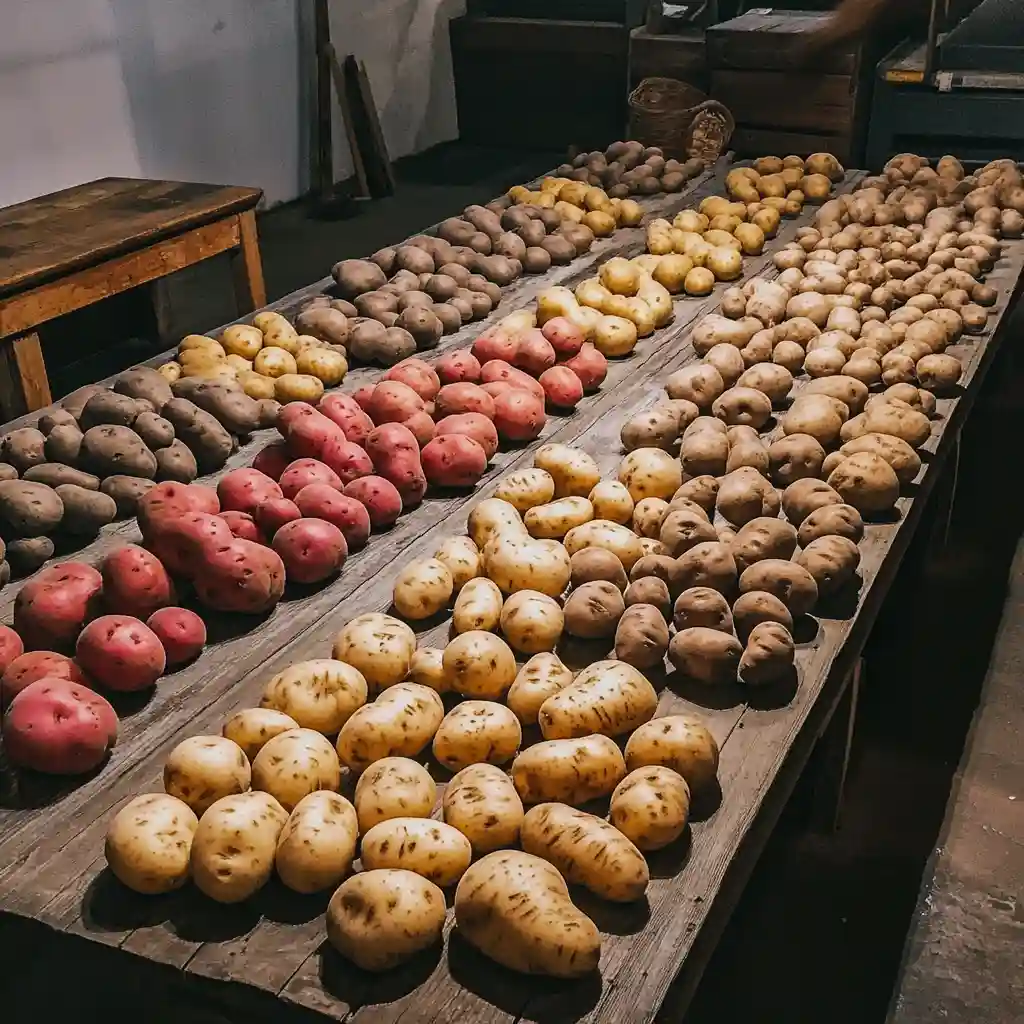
458	367
347	459
535	353
135	582
240	576
363	396
346	513
473	425
498	370
498	387
273	459
311	549
307	433
272	515
497	343
565	337
418	375
59	727
181	633
455	399
242	525
179	542
11	647
121	653
562	388
52	607
396	457
519	416
303	472
590	366
244	490
174	499
422	427
454	460
348	414
393	402
379	497
27	668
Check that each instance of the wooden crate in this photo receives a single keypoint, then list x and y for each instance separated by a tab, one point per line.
668	56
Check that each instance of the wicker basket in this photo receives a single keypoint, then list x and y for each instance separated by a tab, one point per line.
662	112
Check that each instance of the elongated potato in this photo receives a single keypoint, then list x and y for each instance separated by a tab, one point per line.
586	850
234	846
572	470
541	677
555	519
430	848
526	489
399	723
522	563
379	646
572	771
149	842
478	606
515	908
613	537
393	787
482	803
423	588
463	558
680	742
608	697
479	664
318	843
651	807
379	919
252	728
295	764
494	517
321	694
532	622
477	732
427	669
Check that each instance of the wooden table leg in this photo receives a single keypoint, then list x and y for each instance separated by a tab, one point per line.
834	748
24	386
250	291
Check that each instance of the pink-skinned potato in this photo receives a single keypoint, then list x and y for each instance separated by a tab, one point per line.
345	512
27	668
454	460
497	343
311	549
171	499
273	459
562	388
497	387
396	457
519	416
303	472
59	727
135	582
179	541
307	433
349	415
474	425
393	402
534	353
564	336
363	396
422	427
121	653
240	576
52	607
379	497
242	525
458	367
181	632
347	459
590	366
496	370
271	516
11	647
418	375
455	399
244	490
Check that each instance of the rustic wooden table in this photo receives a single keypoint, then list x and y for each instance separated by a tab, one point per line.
64	251
272	949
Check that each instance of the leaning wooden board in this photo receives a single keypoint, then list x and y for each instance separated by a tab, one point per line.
53	859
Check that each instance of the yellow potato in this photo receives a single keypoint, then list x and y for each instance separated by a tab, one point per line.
326	364
612	501
423	588
522	563
479	664
555	519
463	559
321	694
531	621
379	646
482	803
393	787
573	771
680	742
242	340
427	669
494	517
541	677
478	606
149	842
599	533
608	698
251	728
202	769
574	472
431	849
526	488
650	473
274	362
477	732
318	843
297	387
650	807
400	722
294	764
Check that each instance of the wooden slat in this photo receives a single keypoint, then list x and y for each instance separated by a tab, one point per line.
765	38
782	101
24	385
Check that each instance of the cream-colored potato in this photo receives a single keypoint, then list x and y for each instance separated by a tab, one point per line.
242	340
523	563
526	488
680	742
572	470
555	519
326	364
478	606
149	841
573	771
612	501
201	343
234	845
321	694
476	732
400	722
202	769
479	664
623	543
532	622
256	386
274	362
393	787
281	335
493	518
650	473
609	697
423	588
650	807
648	515
296	387
318	843
269	320
463	558
379	919
432	849
482	803
541	677
586	850
251	728
294	764
427	669
379	646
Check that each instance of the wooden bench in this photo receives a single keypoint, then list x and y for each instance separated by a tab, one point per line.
68	250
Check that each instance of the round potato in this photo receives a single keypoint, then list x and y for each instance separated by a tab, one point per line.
379	646
680	742
641	637
202	769
463	559
838	520
482	803
573	471
611	500
523	563
651	807
478	606
400	722
526	488
593	610
321	694
541	677
294	764
792	584
393	787
252	728
432	849
149	842
704	607
866	481
705	655
572	770
763	538
609	698
531	622
755	607
423	588
318	843
650	473
427	669
475	732
803	497
831	560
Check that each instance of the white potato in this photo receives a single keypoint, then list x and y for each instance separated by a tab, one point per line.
427	669
610	500
541	677
251	728
555	519
202	769
393	787
526	488
573	771
680	742
430	848
379	646
482	803
494	517
463	559
531	621
522	563
650	807
423	588
318	843
478	606
295	764
650	473
477	732
321	694
400	722
600	533
479	664
573	471
608	697
149	842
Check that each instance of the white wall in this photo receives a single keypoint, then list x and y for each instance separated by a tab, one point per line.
216	90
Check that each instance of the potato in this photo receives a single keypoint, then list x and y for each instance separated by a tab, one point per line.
253	728
555	519
463	559
423	588
604	534
522	563
744	494
707	565
148	843
889	418
679	742
541	677
755	607
743	406
763	538
905	462
865	481
651	807
792	584
318	843
570	770
837	520
477	731
705	655
611	500
393	787
378	646
702	606
531	622
700	384
641	636
574	472
202	769
234	846
805	496
526	489
400	722
321	694
768	655
546	934
432	849
482	803
478	606
379	919
608	698
831	560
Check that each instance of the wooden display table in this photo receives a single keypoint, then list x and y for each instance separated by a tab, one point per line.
70	249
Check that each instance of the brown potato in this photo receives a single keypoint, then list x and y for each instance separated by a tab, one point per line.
794	457
763	537
755	607
650	590
591	565
792	584
683	529
706	655
831	560
641	636
768	654
708	565
593	610
803	497
703	607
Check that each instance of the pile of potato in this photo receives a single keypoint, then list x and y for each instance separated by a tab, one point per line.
630	168
785	183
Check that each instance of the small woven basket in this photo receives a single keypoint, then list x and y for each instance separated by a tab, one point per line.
660	113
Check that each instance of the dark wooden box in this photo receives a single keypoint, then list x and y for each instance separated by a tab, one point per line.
622	12
682	56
